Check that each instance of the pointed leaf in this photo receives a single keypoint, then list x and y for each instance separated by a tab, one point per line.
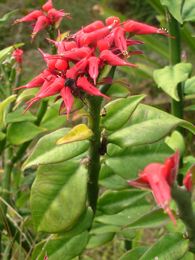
169	247
19	133
188	12
174	7
176	142
155	123
99	240
114	201
118	91
134	254
118	112
77	133
189	86
19	116
59	247
3	107
46	151
168	78
53	209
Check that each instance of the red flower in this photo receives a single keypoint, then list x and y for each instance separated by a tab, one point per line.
18	55
159	178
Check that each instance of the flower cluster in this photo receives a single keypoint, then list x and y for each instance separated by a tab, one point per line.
74	69
43	18
160	178
18	55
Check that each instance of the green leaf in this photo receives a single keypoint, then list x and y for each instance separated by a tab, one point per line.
112	202
128	162
118	91
101	229
126	216
25	94
134	254
188	12
152	219
19	133
46	151
169	77
52	120
176	142
2	136
6	17
3	107
58	196
189	86
99	240
19	116
147	125
77	133
174	7
110	180
118	112
59	247
169	247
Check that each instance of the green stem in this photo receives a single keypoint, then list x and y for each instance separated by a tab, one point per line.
175	57
94	151
41	112
186	214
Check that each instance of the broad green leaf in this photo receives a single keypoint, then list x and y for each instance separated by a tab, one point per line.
118	91
176	142
59	247
46	151
22	132
189	86
134	254
169	77
118	112
3	107
101	229
19	116
99	240
188	256
127	215
110	180
152	219
112	202
8	50
77	133
58	196
169	247
147	125
188	12
130	161
52	120
174	7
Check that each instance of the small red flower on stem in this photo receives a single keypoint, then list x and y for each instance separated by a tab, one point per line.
18	55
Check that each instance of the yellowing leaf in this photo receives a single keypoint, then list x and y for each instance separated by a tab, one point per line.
3	106
77	133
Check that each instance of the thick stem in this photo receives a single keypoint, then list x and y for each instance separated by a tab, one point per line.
186	214
94	151
175	57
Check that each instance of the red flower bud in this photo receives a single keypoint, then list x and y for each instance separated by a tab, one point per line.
55	15
47	6
120	40
113	20
40	24
113	59
61	64
69	45
79	67
84	84
93	26
187	181
77	53
94	68
103	44
67	98
141	28
17	55
30	17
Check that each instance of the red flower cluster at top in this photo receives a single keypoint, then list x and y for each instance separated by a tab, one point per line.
43	18
160	178
75	68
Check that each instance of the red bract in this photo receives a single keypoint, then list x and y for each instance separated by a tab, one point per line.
18	55
81	57
159	178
